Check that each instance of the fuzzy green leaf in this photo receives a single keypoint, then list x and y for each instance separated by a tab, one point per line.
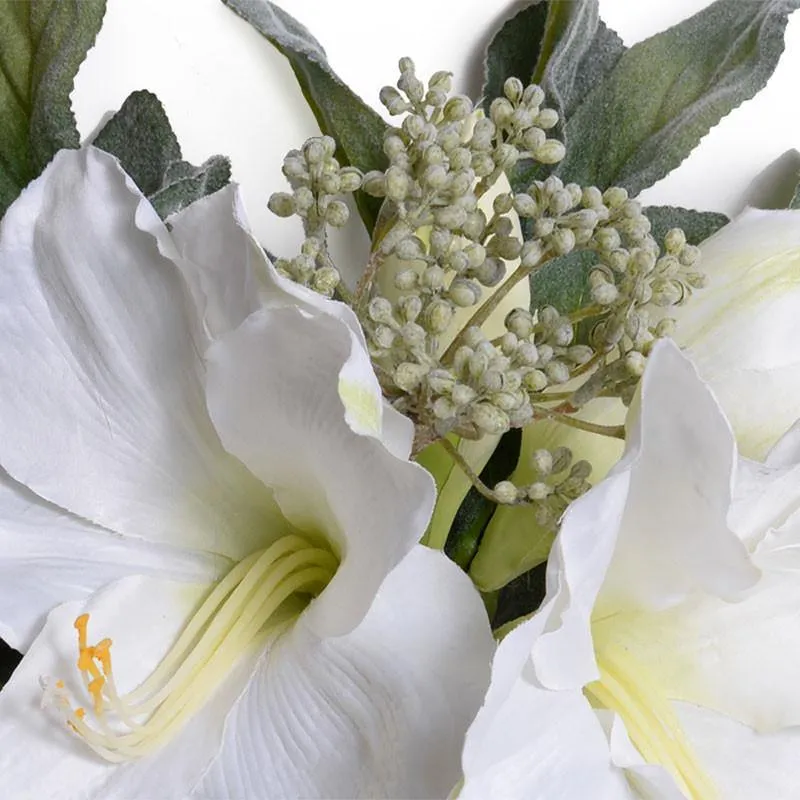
42	44
563	282
140	136
665	93
514	50
340	113
578	52
697	225
184	183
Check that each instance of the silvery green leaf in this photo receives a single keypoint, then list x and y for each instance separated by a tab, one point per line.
340	113
514	50
579	50
188	183
697	225
563	282
141	137
665	93
42	44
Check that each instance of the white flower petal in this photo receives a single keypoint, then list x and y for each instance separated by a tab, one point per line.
102	410
48	557
220	260
231	276
674	538
737	658
765	497
786	451
379	712
650	781
741	331
761	404
41	760
272	392
744	764
563	656
530	742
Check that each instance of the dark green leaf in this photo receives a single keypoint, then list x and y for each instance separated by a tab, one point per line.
9	659
665	93
521	596
42	44
795	203
579	51
140	136
340	113
697	225
563	282
514	50
475	511
190	183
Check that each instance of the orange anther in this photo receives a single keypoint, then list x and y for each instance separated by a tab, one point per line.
102	652
80	625
80	713
86	661
59	684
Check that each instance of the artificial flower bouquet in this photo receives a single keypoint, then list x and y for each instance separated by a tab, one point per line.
508	510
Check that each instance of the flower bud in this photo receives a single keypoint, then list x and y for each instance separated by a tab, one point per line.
441	381
457	108
501	111
282	204
533	96
550	152
464	293
444	408
374	184
325	280
438	316
463	394
349	179
380	310
397	184
562	241
489	418
505	491
409	306
547	118
408	376
520	322
337	214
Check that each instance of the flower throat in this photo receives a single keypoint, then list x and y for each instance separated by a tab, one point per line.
243	611
626	688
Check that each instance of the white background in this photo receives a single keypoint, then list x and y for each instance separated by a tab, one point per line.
226	89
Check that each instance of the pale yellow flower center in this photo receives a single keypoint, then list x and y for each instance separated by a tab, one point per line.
255	601
627	687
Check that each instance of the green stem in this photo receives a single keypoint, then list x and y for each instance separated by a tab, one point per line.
612	431
484	312
461	462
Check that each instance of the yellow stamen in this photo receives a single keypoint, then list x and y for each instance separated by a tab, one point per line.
241	612
652	725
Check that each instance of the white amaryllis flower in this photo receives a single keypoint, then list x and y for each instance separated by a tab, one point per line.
207	546
663	661
741	332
